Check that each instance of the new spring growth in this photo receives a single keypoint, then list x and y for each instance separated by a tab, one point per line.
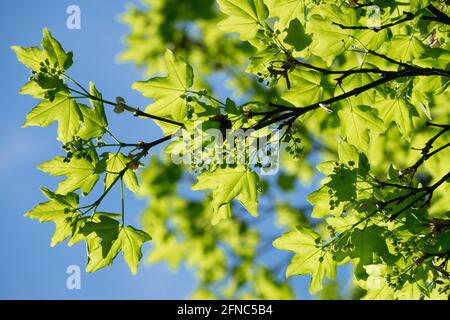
120	105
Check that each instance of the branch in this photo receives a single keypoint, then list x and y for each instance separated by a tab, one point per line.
145	147
408	17
136	111
382	56
410	72
440	269
342	72
440	16
428	192
426	154
354	92
148	146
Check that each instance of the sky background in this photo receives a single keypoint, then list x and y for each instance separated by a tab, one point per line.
30	268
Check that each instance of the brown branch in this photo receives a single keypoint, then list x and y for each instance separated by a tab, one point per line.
408	17
426	154
439	15
136	111
428	192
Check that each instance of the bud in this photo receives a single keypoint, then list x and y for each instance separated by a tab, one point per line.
120	102
133	165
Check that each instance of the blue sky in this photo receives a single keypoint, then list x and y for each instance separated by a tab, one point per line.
30	268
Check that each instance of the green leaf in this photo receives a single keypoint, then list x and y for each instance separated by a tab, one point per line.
168	92
359	124
30	57
81	174
440	244
95	122
320	199
371	40
63	109
115	163
52	50
405	48
438	58
297	37
330	40
376	284
260	62
55	52
411	291
132	241
368	246
307	88
59	211
105	238
343	184
102	241
245	17
347	152
309	257
230	183
358	80
398	111
80	224
416	5
287	11
33	89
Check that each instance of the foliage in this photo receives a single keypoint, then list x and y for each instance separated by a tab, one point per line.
366	101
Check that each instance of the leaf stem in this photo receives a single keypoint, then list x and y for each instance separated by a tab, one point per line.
136	111
122	194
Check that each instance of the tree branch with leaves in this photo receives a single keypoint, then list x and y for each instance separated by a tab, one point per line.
360	99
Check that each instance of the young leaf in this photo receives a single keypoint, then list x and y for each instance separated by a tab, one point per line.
330	40
81	173
320	199
357	122
102	241
105	238
115	163
416	5
368	247
55	52
286	11
245	17
230	183
58	211
297	36
33	57
168	92
63	109
33	89
30	57
307	88
309	257
94	119
132	241
376	284
405	48
398	111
